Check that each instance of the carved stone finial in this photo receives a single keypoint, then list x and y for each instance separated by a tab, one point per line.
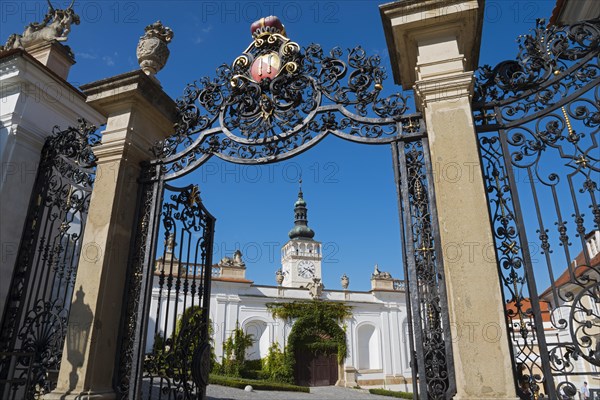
55	26
152	51
378	274
279	277
237	259
345	281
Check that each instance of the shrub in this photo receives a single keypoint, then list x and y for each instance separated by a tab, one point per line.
241	383
252	369
253	365
276	366
390	393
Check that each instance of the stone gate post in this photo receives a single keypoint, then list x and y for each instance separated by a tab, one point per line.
138	114
34	97
434	47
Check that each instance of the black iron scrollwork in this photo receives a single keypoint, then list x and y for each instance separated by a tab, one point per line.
277	99
433	366
34	321
273	102
547	54
173	363
538	119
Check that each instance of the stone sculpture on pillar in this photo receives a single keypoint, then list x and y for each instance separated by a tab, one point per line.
55	27
279	277
152	50
315	288
381	280
233	267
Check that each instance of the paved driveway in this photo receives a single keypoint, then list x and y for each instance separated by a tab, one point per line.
216	392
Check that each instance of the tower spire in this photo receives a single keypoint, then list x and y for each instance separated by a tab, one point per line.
301	229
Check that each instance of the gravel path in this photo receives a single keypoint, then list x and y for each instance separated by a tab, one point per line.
215	392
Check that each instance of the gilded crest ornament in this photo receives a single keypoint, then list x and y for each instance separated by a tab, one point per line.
277	99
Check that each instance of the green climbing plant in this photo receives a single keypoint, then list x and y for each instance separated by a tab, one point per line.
234	351
318	327
299	309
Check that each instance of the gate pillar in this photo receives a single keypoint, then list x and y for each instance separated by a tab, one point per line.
434	47
138	114
35	97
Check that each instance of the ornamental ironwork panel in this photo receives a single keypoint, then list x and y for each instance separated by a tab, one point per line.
277	100
432	366
273	102
166	349
36	313
537	120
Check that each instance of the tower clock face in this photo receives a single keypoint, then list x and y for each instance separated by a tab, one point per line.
306	269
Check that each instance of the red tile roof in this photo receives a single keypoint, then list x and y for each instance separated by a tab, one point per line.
511	309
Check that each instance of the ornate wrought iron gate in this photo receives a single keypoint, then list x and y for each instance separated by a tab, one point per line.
273	102
538	119
35	317
165	349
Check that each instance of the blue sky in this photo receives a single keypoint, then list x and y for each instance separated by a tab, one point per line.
349	187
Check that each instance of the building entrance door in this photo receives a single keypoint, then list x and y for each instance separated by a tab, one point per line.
316	369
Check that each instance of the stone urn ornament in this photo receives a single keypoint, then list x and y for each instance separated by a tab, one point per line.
279	277
345	281
152	50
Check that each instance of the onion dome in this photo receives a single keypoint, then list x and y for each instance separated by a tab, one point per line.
301	229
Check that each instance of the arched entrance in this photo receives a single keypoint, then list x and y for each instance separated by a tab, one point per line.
272	103
318	345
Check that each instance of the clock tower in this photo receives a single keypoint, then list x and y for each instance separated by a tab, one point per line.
301	256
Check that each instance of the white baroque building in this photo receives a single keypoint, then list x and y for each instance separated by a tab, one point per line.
376	334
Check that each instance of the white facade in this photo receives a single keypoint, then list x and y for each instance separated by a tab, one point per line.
376	333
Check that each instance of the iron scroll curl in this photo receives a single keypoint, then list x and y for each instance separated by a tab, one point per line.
277	100
537	120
